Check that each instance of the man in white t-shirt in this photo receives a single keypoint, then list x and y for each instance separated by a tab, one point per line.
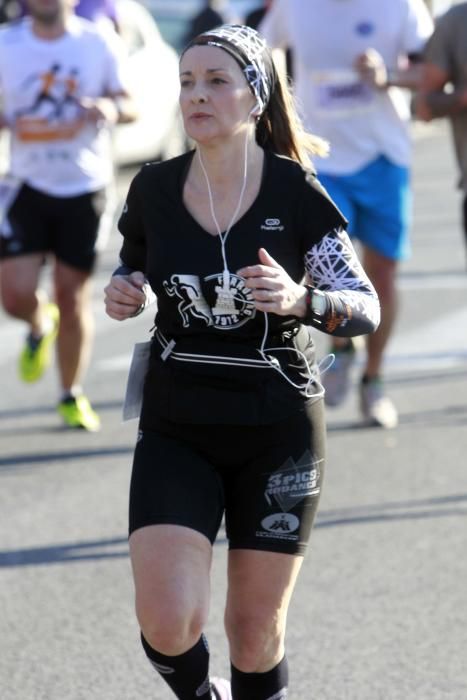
350	58
61	89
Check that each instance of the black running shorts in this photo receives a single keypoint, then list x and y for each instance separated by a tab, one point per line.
265	479
65	226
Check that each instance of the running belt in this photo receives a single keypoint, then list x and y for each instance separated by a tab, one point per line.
168	350
308	384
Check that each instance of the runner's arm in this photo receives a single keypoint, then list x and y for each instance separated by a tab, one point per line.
348	302
431	101
372	70
116	108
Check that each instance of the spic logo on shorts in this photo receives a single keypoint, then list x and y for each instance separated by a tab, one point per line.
280	522
272	225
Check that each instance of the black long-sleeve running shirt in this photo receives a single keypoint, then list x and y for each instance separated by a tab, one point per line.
201	309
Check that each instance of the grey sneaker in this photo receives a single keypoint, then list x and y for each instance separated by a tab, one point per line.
336	380
221	689
377	409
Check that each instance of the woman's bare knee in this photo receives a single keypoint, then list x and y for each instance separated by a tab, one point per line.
171	617
171	632
256	640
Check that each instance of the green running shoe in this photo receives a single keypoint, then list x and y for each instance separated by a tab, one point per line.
37	353
77	412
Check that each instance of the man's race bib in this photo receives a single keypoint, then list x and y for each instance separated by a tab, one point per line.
340	93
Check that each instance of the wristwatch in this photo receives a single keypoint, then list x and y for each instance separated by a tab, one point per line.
316	304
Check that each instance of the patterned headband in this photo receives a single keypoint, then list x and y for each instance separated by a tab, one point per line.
249	50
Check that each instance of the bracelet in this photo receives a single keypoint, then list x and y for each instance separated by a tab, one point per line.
139	310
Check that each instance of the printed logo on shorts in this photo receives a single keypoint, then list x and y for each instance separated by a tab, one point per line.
286	487
294	481
280	522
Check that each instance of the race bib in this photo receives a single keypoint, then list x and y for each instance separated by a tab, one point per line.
340	93
9	188
135	382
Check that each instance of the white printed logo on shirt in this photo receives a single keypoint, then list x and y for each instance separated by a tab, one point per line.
232	302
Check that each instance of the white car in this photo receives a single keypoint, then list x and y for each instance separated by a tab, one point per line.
154	83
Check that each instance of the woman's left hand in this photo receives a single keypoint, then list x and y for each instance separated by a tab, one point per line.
272	289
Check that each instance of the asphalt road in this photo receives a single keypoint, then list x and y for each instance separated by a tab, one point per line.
380	612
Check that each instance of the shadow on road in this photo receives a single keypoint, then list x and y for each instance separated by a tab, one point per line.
51	409
48	457
448	415
441	506
114	548
424	379
117	547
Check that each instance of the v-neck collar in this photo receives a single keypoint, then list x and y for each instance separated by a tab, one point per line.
195	222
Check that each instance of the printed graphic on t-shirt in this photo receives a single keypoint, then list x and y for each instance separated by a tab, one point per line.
232	303
365	28
53	112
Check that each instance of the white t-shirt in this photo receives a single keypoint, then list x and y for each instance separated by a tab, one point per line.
52	147
326	36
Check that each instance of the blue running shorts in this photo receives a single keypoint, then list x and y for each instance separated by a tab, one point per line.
376	200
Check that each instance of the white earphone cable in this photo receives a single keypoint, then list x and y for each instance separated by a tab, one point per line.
271	360
223	236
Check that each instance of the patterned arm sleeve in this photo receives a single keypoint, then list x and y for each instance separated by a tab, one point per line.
352	305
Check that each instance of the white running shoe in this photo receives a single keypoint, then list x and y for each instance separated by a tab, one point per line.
221	689
376	408
336	379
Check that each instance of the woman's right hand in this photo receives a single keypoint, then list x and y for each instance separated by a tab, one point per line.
124	295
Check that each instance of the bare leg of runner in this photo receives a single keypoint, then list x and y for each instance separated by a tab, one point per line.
75	336
19	279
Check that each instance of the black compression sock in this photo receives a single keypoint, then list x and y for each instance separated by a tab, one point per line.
261	686
367	379
187	674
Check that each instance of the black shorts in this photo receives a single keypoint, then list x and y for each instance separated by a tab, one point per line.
266	480
68	227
